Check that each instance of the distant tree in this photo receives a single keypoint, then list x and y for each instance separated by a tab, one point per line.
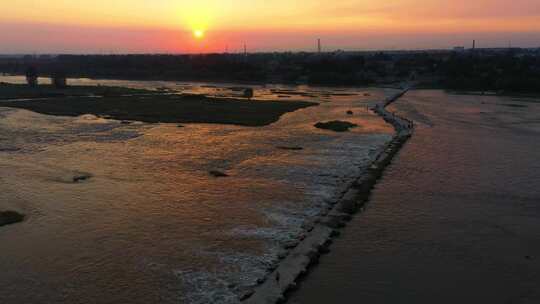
31	76
59	79
248	93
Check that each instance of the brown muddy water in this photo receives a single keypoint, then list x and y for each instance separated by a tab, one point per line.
456	217
150	224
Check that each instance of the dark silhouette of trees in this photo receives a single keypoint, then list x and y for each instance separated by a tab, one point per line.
497	72
31	76
482	69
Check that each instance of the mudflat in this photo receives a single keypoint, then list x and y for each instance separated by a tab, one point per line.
154	107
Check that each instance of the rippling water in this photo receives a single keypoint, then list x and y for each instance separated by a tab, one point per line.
151	225
456	217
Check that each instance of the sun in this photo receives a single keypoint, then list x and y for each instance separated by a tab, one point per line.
199	34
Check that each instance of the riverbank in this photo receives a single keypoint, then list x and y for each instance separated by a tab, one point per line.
23	91
146	106
321	232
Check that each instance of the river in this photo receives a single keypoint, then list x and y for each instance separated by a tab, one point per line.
456	217
150	224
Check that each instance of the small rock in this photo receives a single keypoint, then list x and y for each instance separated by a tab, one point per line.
325	250
81	178
335	233
9	149
290	148
10	217
290	244
350	112
245	295
282	255
216	173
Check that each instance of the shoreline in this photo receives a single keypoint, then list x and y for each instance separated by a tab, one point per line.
223	81
319	236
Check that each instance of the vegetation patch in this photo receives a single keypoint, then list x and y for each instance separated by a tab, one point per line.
336	126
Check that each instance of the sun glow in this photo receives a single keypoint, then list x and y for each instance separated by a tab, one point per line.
199	34
213	25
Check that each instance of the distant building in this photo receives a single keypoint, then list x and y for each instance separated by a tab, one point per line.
459	49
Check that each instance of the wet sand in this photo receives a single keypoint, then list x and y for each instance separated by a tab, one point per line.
456	217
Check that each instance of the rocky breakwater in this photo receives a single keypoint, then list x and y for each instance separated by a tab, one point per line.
320	234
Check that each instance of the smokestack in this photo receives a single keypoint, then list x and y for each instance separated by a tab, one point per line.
319	45
474	44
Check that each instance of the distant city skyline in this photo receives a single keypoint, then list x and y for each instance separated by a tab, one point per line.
166	26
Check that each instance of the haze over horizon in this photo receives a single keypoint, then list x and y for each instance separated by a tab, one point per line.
166	26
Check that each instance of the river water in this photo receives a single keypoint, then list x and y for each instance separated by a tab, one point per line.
151	225
456	217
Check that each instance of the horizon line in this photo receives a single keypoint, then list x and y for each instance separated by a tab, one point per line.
241	52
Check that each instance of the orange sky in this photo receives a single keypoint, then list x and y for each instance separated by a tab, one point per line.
167	25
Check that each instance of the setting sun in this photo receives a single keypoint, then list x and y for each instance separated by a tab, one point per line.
199	34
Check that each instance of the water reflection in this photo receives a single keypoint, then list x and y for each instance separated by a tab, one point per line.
456	214
262	92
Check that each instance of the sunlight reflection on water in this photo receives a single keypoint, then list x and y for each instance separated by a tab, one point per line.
151	224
